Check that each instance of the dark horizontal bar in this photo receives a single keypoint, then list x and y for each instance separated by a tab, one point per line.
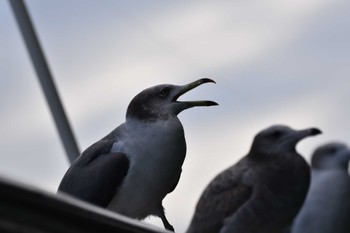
25	209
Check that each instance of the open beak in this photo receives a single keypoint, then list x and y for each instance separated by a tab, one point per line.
189	104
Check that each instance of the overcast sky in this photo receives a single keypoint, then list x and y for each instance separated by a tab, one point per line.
284	62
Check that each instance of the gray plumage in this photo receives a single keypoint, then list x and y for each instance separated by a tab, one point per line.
327	206
261	193
134	167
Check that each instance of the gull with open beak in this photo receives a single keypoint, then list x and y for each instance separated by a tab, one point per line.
134	167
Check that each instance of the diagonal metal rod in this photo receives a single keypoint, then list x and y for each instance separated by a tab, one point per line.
45	78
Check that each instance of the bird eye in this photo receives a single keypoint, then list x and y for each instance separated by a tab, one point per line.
276	134
332	150
164	92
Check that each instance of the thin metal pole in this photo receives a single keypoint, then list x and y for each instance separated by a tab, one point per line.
45	78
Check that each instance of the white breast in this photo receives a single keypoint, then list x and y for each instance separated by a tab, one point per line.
156	152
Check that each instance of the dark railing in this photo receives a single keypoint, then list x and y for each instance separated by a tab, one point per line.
25	209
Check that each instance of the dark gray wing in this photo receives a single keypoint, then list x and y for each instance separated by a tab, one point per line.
96	175
222	198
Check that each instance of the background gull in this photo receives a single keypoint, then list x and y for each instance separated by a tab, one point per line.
263	192
327	206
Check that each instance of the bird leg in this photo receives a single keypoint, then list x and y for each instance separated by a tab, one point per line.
166	224
160	213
